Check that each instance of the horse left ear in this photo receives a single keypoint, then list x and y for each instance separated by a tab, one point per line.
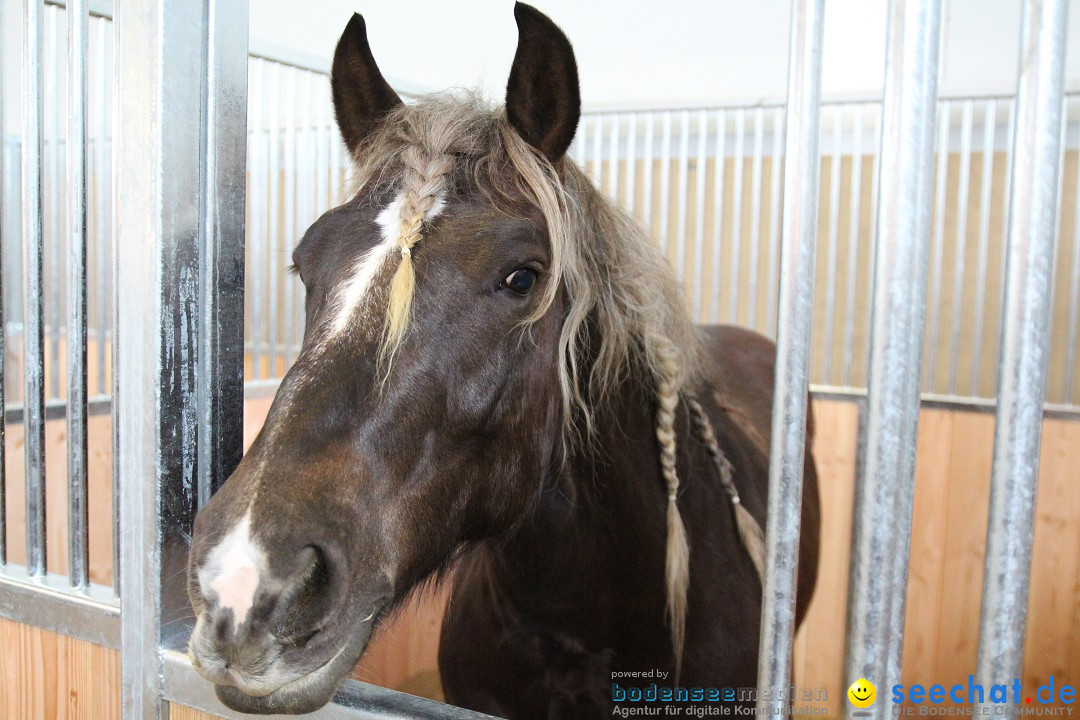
543	101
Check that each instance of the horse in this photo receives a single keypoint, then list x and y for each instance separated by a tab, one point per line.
499	387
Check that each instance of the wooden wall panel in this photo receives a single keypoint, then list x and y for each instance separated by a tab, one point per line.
52	676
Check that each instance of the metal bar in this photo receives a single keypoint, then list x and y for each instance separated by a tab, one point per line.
665	183
54	223
353	700
834	232
613	157
221	264
260	245
700	162
734	272
681	207
941	185
273	245
855	223
647	173
33	292
885	490
4	208
719	170
989	122
960	243
78	17
1024	339
1074	302
181	84
774	222
793	355
57	410
755	216
103	189
598	152
631	164
292	169
47	601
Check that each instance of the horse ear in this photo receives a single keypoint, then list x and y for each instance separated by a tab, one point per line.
362	97
543	102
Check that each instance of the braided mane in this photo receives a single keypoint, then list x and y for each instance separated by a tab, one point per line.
622	298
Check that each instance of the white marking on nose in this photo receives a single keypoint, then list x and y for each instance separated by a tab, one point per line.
352	292
232	570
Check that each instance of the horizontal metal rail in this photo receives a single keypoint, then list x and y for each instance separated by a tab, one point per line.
353	701
49	602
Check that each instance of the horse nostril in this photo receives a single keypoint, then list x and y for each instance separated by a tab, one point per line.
301	602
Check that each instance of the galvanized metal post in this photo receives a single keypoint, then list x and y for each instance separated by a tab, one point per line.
886	488
181	110
1024	342
798	245
33	292
78	15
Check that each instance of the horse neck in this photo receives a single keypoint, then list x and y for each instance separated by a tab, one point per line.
598	528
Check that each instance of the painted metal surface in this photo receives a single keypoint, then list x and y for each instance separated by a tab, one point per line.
798	245
1024	341
885	489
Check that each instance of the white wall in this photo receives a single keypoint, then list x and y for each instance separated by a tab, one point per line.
671	52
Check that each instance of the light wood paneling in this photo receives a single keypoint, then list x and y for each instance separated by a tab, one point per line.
48	676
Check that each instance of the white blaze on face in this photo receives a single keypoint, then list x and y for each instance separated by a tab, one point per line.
232	570
351	294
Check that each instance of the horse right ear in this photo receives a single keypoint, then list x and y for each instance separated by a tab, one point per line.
543	102
362	97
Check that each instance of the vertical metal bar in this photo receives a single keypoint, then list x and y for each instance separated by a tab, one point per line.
102	189
941	185
665	183
735	271
989	121
1073	325
834	232
322	150
755	216
259	214
283	314
33	291
78	17
774	222
598	151
885	490
1024	339
181	84
719	170
54	210
220	392
960	248
4	209
631	164
787	451
684	179
699	215
613	156
647	172
855	221
274	109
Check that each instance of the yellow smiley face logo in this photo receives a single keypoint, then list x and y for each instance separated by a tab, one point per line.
862	693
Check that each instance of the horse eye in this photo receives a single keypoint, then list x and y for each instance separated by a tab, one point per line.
521	280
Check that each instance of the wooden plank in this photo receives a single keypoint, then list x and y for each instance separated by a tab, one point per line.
51	676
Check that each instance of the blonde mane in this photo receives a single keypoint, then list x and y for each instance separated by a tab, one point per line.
623	302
